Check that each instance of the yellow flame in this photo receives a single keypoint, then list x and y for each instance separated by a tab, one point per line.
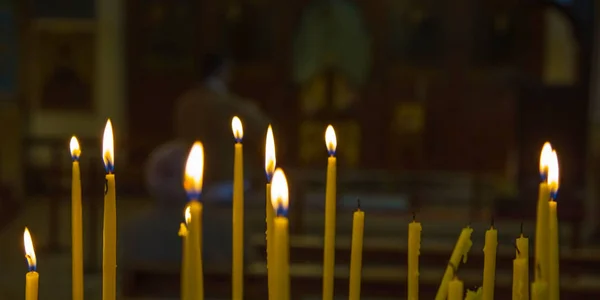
270	159
29	251
238	129
330	139
194	169
279	190
544	158
553	172
75	150
108	151
188	215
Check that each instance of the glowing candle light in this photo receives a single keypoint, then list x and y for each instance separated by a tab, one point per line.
330	215
541	229
185	267
109	247
194	172
553	243
237	280
270	163
32	277
281	247
76	223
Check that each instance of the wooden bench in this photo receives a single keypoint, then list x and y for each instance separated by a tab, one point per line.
379	251
306	280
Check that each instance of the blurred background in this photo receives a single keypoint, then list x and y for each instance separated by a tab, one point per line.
441	109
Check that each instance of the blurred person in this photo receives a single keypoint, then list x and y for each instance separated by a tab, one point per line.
204	113
151	238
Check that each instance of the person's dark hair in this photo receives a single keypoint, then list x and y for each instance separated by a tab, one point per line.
211	64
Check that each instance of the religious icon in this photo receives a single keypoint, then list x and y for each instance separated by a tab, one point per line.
65	71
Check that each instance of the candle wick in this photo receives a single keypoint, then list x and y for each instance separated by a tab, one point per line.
358	203
521	228
492	225
414	216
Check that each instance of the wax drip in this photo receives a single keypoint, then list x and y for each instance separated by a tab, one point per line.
105	186
517	247
454	269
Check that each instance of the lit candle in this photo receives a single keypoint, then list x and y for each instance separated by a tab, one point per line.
520	288
270	163
541	229
192	183
109	247
414	248
358	228
76	223
463	245
237	272
32	277
330	214
281	247
489	264
553	247
455	289
185	268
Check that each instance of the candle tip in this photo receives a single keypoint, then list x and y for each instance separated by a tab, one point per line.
521	228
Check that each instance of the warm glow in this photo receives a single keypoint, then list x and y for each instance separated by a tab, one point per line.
553	173
279	192
330	140
194	169
75	150
545	159
188	215
238	129
108	151
29	251
270	159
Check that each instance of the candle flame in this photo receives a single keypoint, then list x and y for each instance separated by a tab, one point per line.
75	150
330	140
270	160
279	193
238	129
108	151
194	169
553	174
544	159
188	215
29	251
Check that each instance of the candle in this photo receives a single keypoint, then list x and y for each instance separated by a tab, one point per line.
192	183
489	264
237	272
32	277
463	245
414	248
539	290
553	245
474	295
281	247
330	214
270	162
109	246
541	229
358	228
185	268
76	223
455	289
520	288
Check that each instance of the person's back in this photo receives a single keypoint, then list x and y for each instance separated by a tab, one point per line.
205	112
